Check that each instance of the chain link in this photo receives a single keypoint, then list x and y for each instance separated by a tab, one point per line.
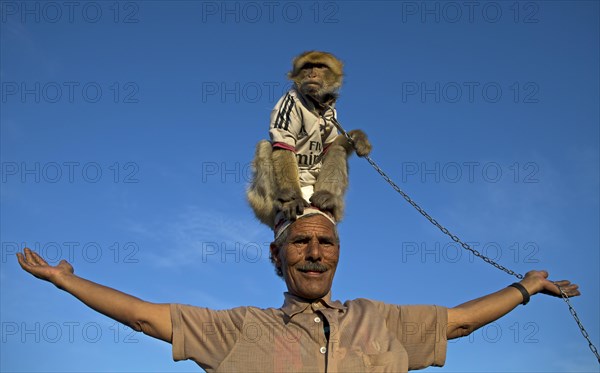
463	244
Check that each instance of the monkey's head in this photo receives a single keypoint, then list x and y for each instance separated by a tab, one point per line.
318	75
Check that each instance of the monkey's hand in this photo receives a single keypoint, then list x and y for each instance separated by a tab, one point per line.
326	201
290	203
361	142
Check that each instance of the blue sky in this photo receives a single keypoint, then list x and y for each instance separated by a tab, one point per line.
127	130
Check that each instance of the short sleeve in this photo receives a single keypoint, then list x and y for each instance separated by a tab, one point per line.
285	123
203	335
421	330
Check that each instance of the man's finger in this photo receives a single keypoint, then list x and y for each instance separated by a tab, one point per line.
39	260
36	258
565	285
29	257
26	265
33	259
22	261
570	290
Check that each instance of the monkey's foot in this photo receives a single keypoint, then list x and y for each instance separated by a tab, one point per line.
291	204
327	201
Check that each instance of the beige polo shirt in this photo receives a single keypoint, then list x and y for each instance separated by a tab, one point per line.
324	336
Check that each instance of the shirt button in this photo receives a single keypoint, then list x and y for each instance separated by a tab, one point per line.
317	319
323	350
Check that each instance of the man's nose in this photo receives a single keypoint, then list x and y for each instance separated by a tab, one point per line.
313	250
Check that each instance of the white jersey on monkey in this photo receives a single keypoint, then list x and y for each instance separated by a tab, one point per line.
295	126
306	160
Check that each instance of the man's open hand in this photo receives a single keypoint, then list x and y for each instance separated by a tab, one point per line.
537	282
33	263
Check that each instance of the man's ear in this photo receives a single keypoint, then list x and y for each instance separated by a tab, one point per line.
275	254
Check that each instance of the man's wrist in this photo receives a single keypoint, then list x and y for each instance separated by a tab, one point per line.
62	280
532	284
524	292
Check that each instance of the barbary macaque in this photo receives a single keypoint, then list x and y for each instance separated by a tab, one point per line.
306	159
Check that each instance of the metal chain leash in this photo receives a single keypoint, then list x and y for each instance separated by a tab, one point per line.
579	324
438	225
463	244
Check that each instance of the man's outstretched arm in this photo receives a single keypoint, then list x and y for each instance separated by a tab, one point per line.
467	317
151	318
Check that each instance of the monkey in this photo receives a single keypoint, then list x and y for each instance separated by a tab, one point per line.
305	160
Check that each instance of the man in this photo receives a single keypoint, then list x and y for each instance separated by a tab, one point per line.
310	332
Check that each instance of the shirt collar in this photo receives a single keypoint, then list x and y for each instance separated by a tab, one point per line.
294	305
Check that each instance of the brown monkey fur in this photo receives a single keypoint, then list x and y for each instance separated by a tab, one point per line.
275	185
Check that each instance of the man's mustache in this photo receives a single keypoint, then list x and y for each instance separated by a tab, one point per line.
312	267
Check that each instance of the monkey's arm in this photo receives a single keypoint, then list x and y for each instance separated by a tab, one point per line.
333	178
151	318
289	195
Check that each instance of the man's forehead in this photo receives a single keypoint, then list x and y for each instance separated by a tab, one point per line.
311	225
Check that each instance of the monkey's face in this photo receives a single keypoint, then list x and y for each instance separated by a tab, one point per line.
309	258
318	81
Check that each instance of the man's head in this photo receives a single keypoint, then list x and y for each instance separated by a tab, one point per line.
306	256
317	74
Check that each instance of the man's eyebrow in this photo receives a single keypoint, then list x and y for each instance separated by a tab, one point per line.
327	237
